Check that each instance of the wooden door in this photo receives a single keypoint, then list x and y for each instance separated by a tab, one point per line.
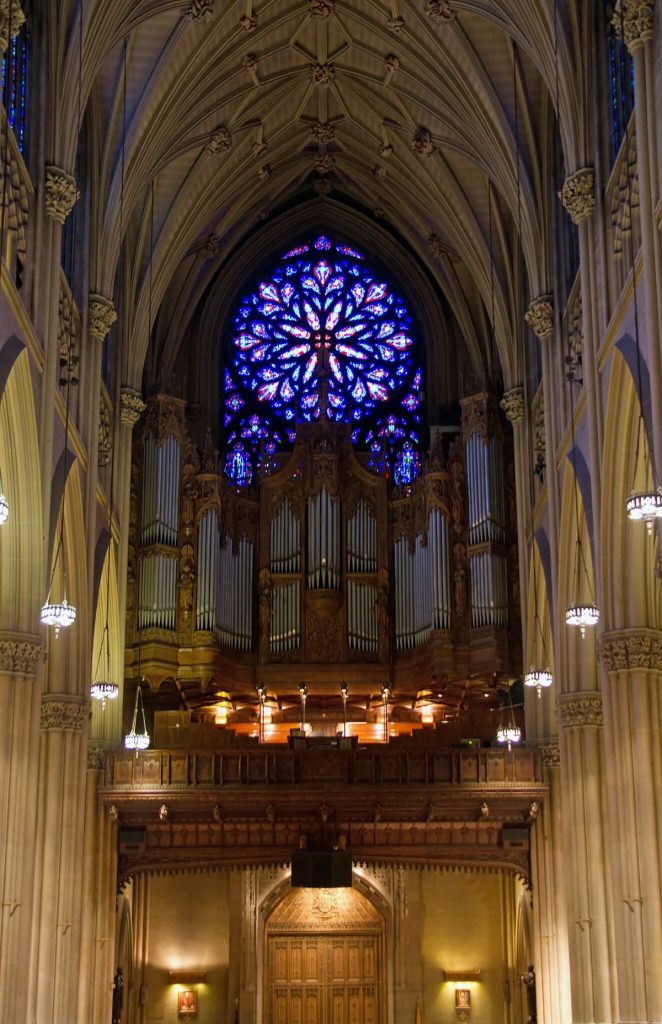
323	979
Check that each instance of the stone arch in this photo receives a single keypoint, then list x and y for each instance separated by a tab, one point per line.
539	649
630	599
21	536
369	890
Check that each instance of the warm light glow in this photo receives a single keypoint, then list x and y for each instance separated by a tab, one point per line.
646	505
103	691
582	615
4	509
540	678
136	740
60	616
509	734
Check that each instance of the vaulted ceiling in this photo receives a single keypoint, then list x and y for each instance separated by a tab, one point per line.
234	111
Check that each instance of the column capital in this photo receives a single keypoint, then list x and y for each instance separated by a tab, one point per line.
64	711
101	315
540	317
578	194
10	10
60	193
634	20
550	753
132	407
512	404
583	708
20	653
625	649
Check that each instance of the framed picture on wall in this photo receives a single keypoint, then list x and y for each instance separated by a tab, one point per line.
462	998
187	1002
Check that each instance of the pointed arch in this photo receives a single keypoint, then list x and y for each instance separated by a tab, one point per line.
576	585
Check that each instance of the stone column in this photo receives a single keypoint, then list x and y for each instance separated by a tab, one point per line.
99	884
12	19
132	407
632	662
550	923
60	194
512	404
52	979
21	660
637	22
578	198
540	318
588	874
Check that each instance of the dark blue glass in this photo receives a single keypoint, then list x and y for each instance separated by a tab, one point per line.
324	336
15	86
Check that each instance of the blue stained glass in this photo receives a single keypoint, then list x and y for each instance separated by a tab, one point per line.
14	92
323	335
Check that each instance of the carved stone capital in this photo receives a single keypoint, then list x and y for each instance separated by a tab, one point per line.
20	654
96	758
10	12
540	317
64	711
132	407
101	316
632	648
580	709
578	194
550	753
512	404
634	19
60	193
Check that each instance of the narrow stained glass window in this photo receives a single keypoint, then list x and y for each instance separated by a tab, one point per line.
323	336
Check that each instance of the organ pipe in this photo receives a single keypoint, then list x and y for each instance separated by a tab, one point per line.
234	595
323	542
208	563
160	490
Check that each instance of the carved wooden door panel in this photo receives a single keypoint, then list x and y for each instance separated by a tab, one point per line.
323	979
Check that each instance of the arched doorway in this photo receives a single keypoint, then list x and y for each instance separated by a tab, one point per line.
324	959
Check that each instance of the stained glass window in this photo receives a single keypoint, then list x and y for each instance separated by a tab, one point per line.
15	85
621	78
323	335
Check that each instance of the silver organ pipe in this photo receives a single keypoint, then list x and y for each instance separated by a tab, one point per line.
362	540
323	542
234	595
440	569
207	577
487	526
285	541
157	596
362	627
160	490
285	634
489	586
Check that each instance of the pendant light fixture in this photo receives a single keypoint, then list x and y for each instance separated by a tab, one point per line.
107	689
508	731
138	739
61	614
4	504
643	505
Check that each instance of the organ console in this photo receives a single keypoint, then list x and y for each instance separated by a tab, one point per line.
322	570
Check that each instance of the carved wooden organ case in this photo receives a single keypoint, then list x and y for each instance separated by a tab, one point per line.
320	572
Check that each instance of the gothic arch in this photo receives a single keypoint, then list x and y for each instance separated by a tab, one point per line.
578	656
630	598
106	722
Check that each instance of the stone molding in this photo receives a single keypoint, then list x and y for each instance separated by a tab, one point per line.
64	711
636	20
17	18
580	709
96	758
60	193
578	194
550	753
512	404
20	654
540	317
132	407
625	649
101	316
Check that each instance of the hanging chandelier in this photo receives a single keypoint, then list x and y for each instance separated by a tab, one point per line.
646	505
509	733
4	505
58	614
135	740
104	691
582	615
541	679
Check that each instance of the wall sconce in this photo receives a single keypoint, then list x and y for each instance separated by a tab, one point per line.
462	975
187	976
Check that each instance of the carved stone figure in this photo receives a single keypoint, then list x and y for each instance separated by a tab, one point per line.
529	980
460	577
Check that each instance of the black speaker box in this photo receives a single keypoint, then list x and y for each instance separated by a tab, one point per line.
321	869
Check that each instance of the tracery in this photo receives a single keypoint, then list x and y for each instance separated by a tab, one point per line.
323	336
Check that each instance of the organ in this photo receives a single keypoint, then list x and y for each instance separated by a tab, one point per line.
322	570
